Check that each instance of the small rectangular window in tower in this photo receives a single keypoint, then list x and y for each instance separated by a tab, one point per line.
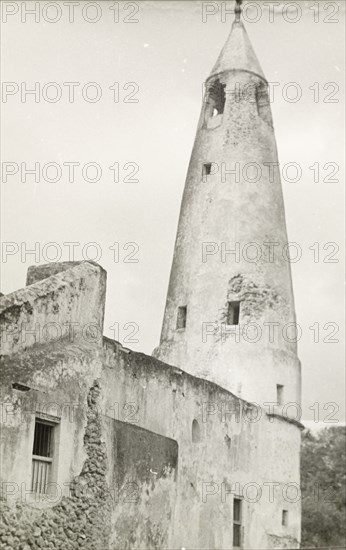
279	394
237	522
233	311
42	456
181	317
285	518
206	171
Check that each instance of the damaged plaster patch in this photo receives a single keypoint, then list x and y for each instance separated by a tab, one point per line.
255	299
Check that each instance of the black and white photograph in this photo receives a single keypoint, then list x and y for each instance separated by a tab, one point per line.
172	305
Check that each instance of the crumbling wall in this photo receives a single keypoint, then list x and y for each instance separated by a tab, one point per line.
255	299
122	498
66	304
81	520
37	273
127	488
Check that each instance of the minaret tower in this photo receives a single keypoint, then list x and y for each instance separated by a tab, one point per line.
229	314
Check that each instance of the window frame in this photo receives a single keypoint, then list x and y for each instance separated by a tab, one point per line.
47	463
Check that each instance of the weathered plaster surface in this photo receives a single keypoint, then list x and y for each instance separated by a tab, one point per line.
143	477
104	494
233	208
81	520
128	471
232	452
69	304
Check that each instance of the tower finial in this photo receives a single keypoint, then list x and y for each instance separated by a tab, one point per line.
238	9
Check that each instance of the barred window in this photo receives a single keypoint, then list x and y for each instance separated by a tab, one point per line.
42	456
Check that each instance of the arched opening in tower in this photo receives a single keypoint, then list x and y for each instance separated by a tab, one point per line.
216	98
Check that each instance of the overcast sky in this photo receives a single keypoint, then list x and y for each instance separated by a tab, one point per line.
168	54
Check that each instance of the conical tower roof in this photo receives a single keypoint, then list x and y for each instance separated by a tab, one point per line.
238	53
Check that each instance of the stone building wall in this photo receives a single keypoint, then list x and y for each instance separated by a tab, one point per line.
241	450
62	301
87	511
146	456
